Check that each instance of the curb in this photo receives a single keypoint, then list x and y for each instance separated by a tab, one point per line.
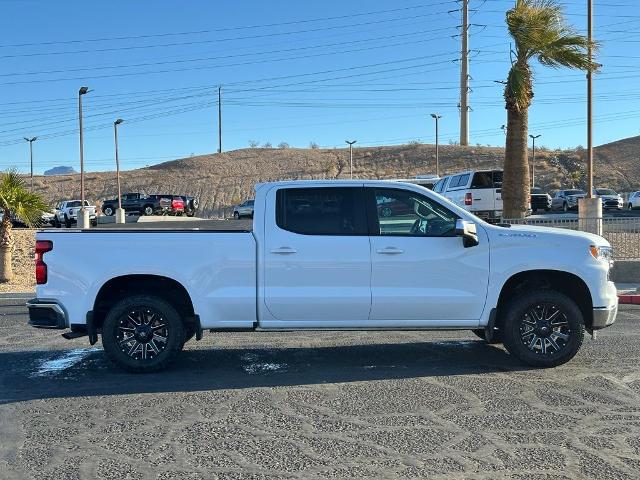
629	299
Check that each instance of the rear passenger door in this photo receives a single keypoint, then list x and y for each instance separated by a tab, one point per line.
317	262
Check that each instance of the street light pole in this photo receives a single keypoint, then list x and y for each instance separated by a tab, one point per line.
31	140
437	117
533	160
83	214
119	211
351	156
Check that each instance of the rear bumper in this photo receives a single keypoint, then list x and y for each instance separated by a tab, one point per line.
46	314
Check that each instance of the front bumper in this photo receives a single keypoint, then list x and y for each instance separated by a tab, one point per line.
604	317
45	314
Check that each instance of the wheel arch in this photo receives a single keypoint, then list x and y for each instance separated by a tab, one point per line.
564	282
127	285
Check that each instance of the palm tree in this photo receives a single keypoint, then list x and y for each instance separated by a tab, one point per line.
16	201
540	32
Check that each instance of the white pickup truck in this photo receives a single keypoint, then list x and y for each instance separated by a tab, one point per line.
324	255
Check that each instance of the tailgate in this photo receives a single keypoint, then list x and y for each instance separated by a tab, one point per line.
485	199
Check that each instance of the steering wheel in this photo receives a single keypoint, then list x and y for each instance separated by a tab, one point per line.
419	226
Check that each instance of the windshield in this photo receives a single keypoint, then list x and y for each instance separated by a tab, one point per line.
574	192
605	191
73	204
536	190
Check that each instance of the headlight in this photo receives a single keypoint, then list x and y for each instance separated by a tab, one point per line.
603	254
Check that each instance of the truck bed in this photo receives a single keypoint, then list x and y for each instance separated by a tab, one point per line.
178	226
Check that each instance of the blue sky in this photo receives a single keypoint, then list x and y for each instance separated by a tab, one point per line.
290	71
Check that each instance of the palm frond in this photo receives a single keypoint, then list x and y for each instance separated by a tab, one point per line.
16	199
518	90
540	31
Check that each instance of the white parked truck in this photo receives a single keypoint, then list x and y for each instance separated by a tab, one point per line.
328	255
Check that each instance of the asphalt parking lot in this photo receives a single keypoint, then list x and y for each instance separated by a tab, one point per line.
318	405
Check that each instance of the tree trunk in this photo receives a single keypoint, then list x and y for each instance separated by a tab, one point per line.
515	185
6	249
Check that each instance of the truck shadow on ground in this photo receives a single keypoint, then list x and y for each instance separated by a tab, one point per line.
29	375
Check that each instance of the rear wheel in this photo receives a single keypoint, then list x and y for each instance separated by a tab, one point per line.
108	210
142	333
236	215
630	206
147	210
565	207
543	329
67	221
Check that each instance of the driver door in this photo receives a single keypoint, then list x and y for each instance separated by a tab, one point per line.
420	270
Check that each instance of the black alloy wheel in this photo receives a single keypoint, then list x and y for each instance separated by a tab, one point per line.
543	328
142	333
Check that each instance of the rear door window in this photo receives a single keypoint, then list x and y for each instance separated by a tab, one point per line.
321	211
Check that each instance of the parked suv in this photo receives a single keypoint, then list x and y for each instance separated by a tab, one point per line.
540	200
66	213
567	200
634	200
478	192
245	209
145	204
610	198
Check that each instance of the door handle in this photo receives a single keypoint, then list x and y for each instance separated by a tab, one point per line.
284	250
390	251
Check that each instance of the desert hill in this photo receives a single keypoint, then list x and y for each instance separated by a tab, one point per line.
222	180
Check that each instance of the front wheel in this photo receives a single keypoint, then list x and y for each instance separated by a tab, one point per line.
67	221
565	207
236	215
108	211
148	210
142	333
543	329
630	206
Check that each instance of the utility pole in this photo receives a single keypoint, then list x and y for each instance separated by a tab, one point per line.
31	140
120	217
220	119
533	160
83	214
351	157
590	103
464	76
590	207
436	118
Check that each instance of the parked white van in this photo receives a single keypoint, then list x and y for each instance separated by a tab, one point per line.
476	191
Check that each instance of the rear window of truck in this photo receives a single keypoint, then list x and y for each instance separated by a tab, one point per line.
490	179
321	211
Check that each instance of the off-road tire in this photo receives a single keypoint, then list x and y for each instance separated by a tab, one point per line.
174	328
514	322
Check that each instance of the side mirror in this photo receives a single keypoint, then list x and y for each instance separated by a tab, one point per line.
467	230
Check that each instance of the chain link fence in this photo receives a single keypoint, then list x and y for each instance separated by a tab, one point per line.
622	233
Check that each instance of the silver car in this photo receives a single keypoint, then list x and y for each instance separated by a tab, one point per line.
243	210
567	200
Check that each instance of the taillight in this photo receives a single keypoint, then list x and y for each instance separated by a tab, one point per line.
468	200
42	247
177	204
